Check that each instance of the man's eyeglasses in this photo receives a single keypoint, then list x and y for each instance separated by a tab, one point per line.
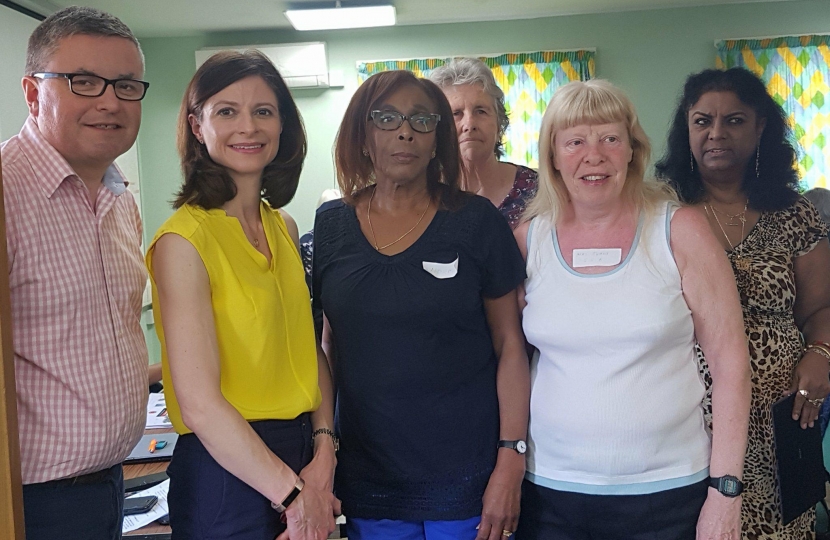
392	120
86	85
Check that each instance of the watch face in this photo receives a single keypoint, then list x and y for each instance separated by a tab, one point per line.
521	447
729	486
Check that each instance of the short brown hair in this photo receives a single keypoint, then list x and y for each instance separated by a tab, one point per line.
355	170
208	184
71	21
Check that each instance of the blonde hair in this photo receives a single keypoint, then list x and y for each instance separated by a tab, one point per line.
593	102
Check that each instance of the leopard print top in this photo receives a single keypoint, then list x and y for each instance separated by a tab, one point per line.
767	290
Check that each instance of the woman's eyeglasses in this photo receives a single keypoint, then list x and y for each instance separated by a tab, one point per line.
392	120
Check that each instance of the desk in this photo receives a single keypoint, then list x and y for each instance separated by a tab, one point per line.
143	469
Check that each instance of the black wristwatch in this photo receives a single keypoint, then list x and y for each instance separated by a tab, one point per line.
519	446
728	486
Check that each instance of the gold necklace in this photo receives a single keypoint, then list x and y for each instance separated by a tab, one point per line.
251	237
740	216
372	230
741	263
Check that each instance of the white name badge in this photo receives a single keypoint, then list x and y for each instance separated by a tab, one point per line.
597	257
442	270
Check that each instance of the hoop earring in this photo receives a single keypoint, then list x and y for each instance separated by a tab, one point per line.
758	161
691	160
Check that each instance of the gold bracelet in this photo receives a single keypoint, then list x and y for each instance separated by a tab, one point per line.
820	350
819	346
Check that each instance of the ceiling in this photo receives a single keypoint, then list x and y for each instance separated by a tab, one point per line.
151	18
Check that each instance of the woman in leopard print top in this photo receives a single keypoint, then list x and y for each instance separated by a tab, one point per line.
729	156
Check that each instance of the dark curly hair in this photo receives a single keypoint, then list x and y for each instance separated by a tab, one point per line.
776	186
208	184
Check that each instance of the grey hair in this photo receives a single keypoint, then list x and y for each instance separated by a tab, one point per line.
820	198
460	71
71	21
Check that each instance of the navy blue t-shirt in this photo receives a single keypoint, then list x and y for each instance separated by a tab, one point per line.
417	410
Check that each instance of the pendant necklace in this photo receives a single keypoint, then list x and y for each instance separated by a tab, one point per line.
734	219
742	263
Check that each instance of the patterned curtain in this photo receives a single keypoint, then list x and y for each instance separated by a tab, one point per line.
528	81
796	70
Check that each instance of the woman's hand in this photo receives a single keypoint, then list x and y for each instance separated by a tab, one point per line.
811	375
320	472
720	518
311	515
501	498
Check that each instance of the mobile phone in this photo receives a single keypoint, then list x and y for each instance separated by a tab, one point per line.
139	505
144	482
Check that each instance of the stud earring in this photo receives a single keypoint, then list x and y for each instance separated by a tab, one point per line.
365	152
433	155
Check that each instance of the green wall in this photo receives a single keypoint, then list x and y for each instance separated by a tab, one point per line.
647	53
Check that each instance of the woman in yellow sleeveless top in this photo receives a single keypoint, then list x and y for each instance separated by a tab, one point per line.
247	386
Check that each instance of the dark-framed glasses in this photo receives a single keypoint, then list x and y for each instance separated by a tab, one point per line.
84	84
392	120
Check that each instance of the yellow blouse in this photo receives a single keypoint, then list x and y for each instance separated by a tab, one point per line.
262	313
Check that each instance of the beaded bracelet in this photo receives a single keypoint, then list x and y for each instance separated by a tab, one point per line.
330	433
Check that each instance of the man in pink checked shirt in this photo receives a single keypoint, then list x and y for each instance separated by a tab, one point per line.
76	274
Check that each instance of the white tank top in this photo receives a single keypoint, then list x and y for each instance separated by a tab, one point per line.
615	405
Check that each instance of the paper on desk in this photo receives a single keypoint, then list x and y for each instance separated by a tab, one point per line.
137	521
157	412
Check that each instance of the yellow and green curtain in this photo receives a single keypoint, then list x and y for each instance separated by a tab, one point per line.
528	81
796	70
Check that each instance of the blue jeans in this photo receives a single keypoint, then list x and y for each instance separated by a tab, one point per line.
88	507
389	529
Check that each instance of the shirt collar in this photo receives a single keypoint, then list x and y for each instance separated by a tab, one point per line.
51	168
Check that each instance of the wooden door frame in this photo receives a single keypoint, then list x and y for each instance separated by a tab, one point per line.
11	489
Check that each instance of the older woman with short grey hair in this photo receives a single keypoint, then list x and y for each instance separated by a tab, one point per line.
481	119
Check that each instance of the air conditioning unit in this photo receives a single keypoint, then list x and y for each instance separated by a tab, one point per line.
302	65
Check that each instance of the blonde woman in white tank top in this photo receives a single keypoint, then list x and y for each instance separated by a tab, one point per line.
621	284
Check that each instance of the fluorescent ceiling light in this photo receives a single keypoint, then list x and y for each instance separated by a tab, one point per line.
341	17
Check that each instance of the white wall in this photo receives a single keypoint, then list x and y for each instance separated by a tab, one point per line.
15	29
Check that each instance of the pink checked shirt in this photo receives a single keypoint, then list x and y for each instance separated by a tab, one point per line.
76	278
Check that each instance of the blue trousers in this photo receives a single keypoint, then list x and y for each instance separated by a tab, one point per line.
88	507
208	502
388	529
549	514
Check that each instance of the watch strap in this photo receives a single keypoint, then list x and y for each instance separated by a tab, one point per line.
518	445
727	485
298	487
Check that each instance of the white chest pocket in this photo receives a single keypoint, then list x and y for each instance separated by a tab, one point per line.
442	270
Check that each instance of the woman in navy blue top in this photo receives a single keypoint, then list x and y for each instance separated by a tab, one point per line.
417	281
